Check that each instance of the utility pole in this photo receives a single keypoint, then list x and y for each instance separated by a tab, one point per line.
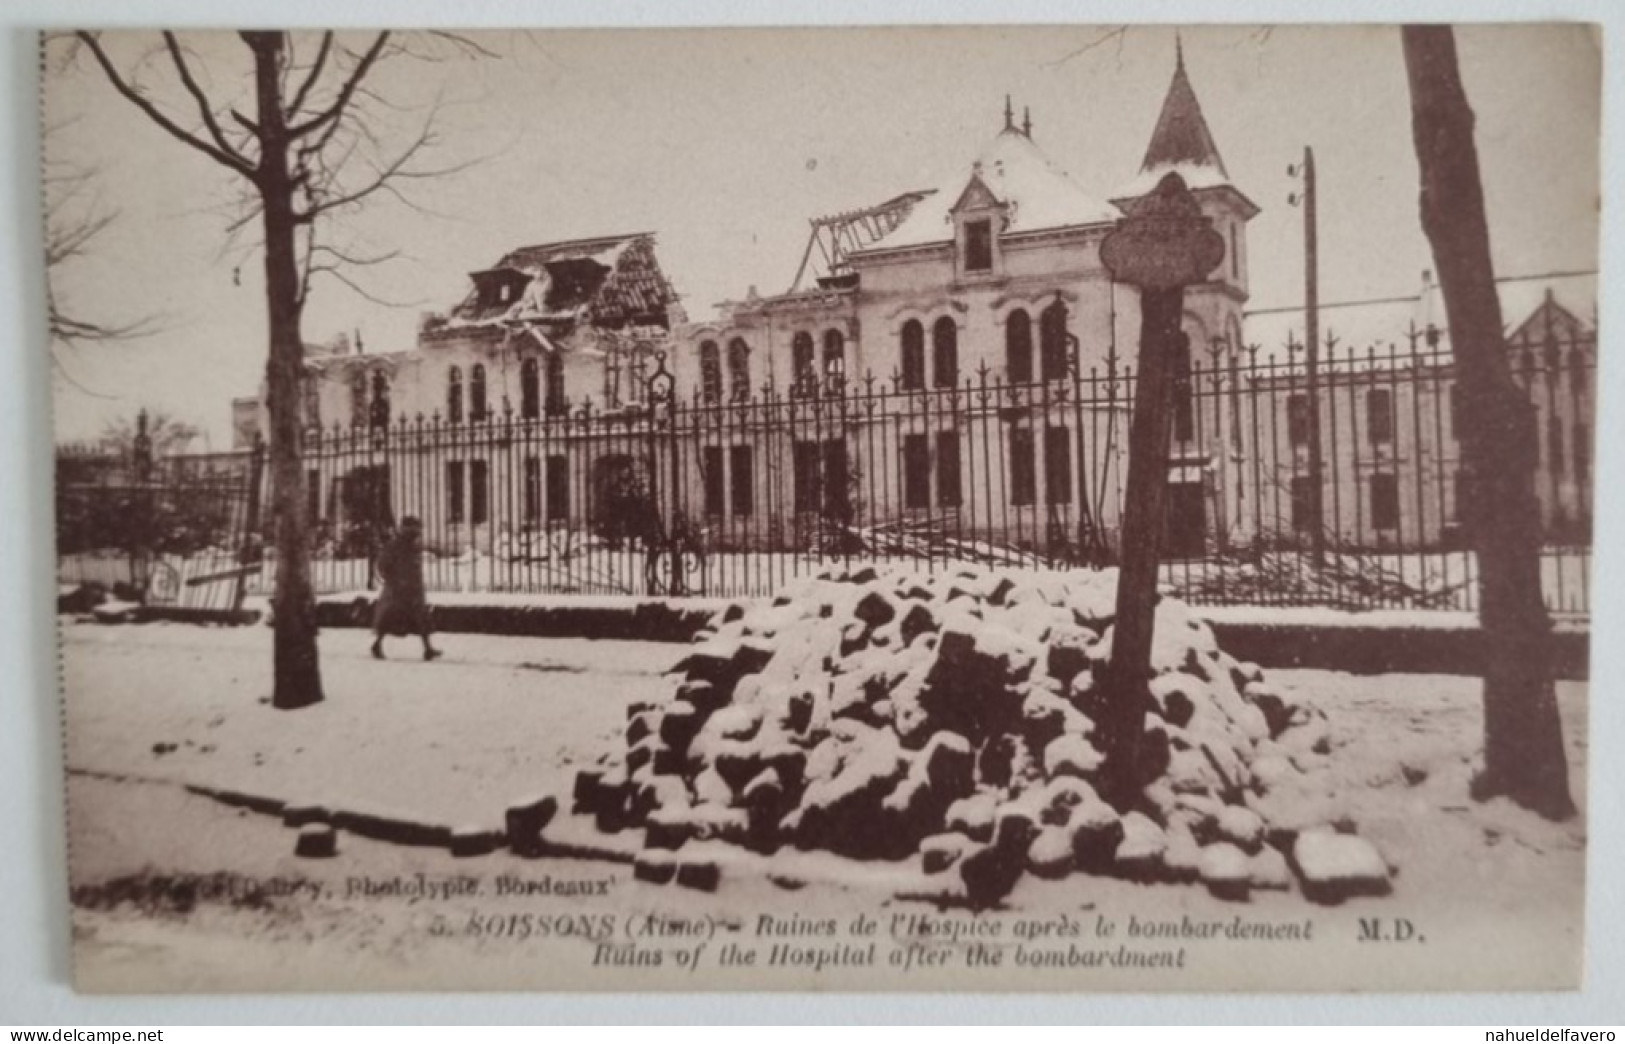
1164	245
1311	347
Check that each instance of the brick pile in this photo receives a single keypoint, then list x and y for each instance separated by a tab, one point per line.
950	718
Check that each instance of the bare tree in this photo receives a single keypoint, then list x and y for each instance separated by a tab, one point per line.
165	435
306	144
75	217
1523	736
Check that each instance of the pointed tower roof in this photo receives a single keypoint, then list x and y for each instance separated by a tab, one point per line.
1180	143
1181	136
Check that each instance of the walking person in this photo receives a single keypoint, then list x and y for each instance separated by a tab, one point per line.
403	608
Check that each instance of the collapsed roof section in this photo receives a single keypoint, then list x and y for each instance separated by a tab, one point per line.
835	237
610	283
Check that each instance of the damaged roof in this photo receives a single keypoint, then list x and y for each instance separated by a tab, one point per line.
606	281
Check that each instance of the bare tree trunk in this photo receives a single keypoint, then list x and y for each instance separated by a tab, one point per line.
1523	737
1122	723
298	679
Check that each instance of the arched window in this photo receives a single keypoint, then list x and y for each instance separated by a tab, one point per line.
1018	348
913	354
738	370
380	400
476	393
530	389
358	398
834	358
1052	341
454	395
556	403
944	353
710	372
803	367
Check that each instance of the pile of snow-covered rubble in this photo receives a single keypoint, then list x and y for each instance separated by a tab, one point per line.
949	718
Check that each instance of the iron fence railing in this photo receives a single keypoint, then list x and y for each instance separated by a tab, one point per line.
181	531
698	494
694	494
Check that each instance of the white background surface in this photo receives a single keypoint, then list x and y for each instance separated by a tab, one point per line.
34	941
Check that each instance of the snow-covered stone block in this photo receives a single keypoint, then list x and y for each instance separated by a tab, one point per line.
918	620
523	824
316	841
1139	853
1182	856
1068	652
973	815
1177	696
1269	870
939	852
874	609
1050	854
1334	866
1095	830
1072	755
1226	870
1241	827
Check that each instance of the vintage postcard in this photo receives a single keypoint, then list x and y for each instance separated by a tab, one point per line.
1066	508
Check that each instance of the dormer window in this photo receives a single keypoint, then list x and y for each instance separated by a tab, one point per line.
979	246
499	287
978	218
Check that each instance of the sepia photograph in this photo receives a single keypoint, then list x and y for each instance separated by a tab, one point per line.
1067	508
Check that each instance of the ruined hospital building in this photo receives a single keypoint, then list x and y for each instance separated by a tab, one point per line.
950	373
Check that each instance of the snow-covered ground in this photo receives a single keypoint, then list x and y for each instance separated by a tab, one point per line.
150	708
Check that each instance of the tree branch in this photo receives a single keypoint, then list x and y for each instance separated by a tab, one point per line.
227	159
337	273
1118	33
396	168
333	111
203	106
315	74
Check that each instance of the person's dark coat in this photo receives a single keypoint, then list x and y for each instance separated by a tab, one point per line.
403	608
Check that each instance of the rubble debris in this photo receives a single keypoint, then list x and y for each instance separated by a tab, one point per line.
949	718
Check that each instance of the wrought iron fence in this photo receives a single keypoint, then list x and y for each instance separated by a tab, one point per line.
697	495
179	531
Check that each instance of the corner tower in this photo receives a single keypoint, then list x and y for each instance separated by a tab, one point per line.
1182	143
